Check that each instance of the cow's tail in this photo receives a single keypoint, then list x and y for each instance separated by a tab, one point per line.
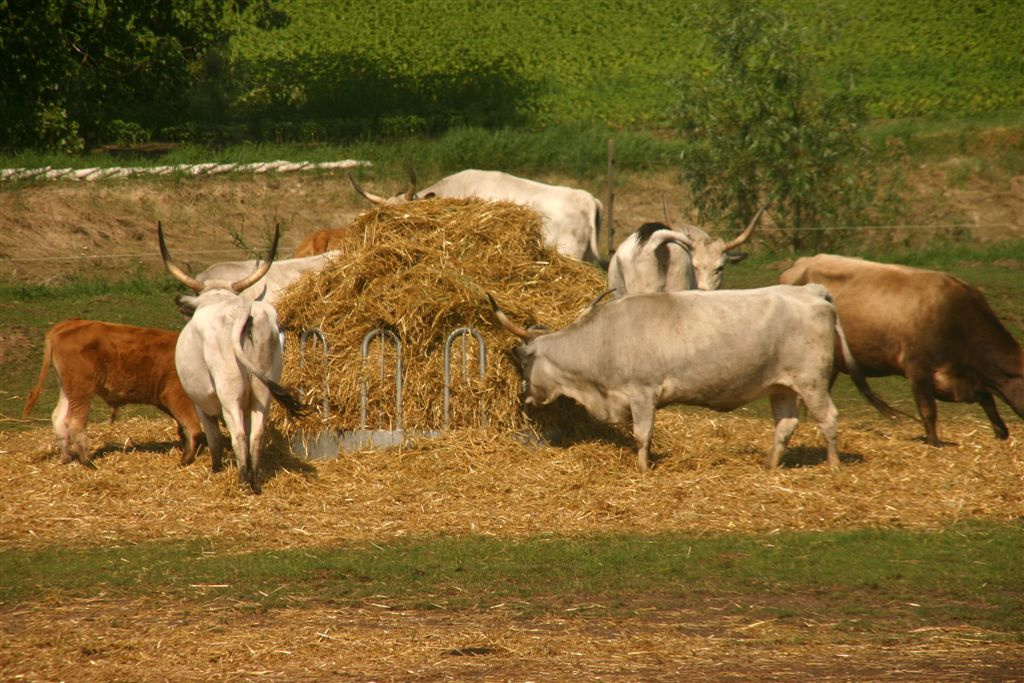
33	395
282	395
857	375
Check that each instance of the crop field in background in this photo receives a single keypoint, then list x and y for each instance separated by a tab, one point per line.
605	61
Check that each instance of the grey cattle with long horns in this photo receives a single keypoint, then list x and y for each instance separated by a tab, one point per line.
720	350
229	360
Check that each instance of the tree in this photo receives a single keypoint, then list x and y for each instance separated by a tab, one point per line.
758	130
77	71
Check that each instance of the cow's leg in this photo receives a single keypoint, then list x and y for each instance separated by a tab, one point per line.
190	444
823	410
988	404
785	411
59	418
214	440
257	423
188	433
236	419
924	394
77	418
642	408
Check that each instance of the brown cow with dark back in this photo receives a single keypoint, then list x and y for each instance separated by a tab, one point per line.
936	330
121	364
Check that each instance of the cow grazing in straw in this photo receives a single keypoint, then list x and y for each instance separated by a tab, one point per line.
571	217
229	359
268	288
720	350
121	364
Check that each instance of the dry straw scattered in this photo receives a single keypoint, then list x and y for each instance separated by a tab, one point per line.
422	270
708	478
715	639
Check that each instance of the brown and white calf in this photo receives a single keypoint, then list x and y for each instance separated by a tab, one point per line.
121	364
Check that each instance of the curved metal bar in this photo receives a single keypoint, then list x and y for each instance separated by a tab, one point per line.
462	333
316	332
364	351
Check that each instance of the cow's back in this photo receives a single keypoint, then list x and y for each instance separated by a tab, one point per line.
122	363
321	241
895	315
636	267
720	349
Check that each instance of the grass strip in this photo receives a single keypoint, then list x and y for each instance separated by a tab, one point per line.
970	572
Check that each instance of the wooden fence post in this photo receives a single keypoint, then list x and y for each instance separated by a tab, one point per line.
609	204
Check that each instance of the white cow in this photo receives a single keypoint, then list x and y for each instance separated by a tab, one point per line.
657	258
268	288
719	350
571	217
229	359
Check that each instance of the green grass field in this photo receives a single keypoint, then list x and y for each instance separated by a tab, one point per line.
967	573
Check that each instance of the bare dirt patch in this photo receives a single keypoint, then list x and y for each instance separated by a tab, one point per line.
52	230
15	344
215	640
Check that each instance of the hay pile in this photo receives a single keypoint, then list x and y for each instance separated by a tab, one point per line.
423	270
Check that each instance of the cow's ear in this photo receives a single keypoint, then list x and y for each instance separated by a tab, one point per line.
736	256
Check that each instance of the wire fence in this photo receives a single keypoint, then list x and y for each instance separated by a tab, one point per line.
281	166
155	254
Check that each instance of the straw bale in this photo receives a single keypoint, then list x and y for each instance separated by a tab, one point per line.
421	270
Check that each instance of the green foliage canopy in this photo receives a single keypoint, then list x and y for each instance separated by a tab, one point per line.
84	72
759	130
78	70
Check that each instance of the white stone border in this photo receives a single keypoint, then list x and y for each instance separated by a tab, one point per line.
50	173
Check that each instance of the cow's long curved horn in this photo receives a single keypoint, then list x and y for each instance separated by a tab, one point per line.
745	235
254	277
186	279
515	329
369	196
410	192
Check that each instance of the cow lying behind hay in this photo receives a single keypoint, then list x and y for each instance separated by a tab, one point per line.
719	350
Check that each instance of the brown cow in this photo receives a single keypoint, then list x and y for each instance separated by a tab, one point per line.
121	364
322	241
936	330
